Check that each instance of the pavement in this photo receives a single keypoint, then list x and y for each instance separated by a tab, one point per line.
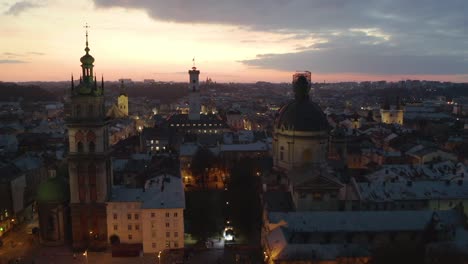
18	244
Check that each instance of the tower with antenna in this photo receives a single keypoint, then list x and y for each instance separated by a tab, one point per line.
194	96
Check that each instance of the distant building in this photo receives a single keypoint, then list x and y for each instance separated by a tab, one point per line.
194	96
306	74
152	216
392	114
122	100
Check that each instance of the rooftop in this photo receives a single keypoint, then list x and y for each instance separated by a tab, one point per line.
160	192
362	221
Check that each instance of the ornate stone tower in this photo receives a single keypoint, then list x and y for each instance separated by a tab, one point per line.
89	164
194	97
122	100
392	114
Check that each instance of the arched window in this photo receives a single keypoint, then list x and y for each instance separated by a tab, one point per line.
90	136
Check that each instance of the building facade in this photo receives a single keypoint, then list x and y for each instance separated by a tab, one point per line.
153	216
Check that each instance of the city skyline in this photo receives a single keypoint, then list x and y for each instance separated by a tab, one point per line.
235	42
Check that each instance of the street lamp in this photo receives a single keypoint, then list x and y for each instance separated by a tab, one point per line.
86	255
159	257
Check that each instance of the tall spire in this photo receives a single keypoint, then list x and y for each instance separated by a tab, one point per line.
72	82
95	83
87	48
102	83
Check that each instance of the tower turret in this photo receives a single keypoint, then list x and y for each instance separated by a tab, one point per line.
194	97
89	165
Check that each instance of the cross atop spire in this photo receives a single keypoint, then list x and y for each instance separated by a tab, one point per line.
193	61
86	26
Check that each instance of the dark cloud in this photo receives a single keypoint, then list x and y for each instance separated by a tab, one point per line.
36	53
19	7
401	36
11	61
26	54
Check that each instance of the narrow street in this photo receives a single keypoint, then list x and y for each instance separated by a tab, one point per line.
18	245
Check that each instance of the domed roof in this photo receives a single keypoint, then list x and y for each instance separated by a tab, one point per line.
87	59
52	190
302	115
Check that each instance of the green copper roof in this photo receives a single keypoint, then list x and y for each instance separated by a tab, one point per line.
87	59
53	190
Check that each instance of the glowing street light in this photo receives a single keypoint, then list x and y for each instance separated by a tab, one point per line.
159	257
86	255
228	233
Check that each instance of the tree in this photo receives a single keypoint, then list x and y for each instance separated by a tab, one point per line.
202	161
203	213
243	196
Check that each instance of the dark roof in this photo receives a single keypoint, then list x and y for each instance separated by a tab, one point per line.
278	201
302	115
8	173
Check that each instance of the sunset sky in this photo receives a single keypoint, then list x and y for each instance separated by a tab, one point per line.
236	40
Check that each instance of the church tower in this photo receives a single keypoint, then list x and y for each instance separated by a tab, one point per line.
194	97
89	164
122	100
392	114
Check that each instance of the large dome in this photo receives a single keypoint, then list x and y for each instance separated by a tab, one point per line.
302	115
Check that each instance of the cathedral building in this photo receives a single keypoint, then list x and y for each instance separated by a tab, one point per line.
301	131
392	114
122	100
89	163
